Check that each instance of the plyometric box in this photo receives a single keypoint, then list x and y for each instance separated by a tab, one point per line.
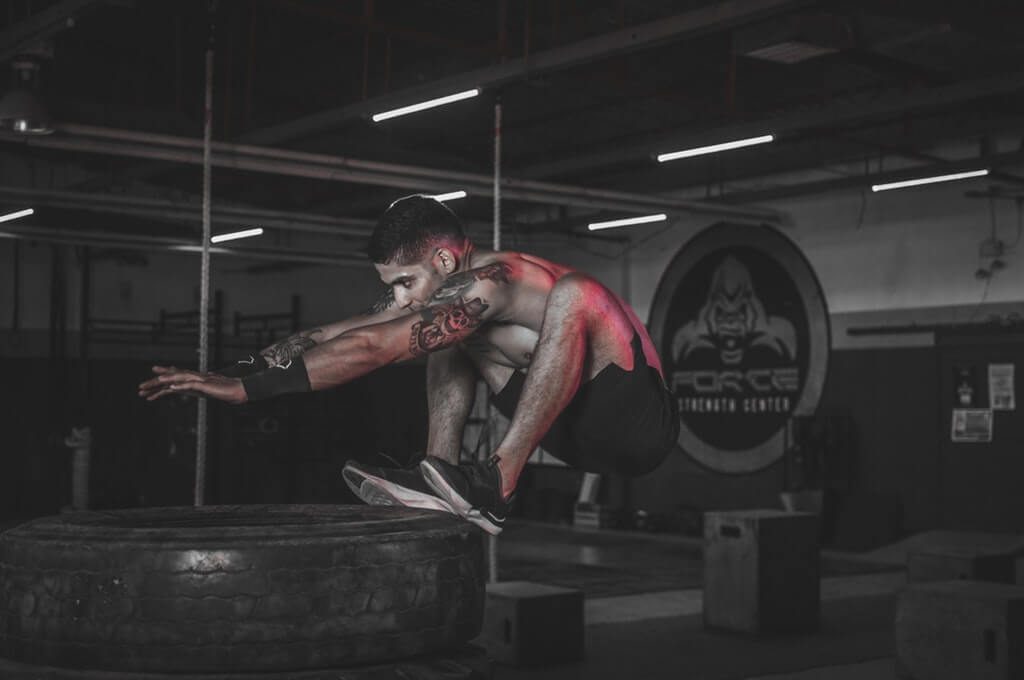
532	624
959	630
761	571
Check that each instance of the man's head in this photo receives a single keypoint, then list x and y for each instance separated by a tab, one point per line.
417	243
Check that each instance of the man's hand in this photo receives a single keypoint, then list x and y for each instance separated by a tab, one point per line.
171	380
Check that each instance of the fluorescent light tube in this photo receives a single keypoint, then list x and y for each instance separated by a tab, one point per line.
413	108
450	196
714	148
594	226
220	238
929	180
15	215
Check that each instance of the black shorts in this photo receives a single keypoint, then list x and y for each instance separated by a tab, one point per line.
620	422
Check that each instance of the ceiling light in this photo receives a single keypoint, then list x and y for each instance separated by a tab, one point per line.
594	226
929	180
450	196
715	148
15	215
21	111
220	238
440	101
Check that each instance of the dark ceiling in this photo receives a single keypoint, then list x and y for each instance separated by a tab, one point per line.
589	90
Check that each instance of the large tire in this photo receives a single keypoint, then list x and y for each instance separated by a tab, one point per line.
238	588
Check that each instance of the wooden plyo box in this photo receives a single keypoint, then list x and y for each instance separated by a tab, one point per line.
954	630
532	624
761	571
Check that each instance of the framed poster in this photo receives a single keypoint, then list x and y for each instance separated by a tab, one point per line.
1000	387
972	425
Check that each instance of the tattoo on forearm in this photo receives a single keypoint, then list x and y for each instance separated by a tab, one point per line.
283	352
457	284
442	325
385	302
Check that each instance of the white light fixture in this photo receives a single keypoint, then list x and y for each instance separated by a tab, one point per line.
929	180
429	104
15	215
450	196
715	148
646	219
220	238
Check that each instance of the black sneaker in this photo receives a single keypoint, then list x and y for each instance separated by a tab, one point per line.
392	486
473	491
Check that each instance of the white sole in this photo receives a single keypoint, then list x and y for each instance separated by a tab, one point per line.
436	482
374	490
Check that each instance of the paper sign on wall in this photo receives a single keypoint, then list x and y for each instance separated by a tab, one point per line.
972	425
1000	387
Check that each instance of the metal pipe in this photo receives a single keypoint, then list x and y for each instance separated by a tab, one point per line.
112	240
204	271
336	168
165	210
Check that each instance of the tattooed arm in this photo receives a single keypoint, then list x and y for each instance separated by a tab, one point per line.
456	310
280	353
464	303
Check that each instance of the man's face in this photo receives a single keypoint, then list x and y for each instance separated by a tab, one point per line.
412	284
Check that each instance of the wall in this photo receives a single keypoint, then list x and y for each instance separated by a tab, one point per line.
893	258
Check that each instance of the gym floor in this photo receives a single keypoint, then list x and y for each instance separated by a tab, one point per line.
643	609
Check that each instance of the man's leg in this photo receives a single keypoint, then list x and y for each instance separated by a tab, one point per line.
451	388
584	330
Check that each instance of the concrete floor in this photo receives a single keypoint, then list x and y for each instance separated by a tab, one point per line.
659	633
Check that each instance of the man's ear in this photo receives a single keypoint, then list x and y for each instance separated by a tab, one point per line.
445	261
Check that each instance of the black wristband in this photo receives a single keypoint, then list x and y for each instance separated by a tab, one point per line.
244	367
282	379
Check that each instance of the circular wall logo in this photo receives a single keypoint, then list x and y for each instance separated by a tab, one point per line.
743	330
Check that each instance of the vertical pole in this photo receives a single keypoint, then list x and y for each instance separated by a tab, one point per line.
204	281
492	541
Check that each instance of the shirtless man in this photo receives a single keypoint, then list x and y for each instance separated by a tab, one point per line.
565	359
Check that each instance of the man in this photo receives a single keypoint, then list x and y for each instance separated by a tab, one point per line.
565	359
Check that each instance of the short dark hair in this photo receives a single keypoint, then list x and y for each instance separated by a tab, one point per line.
410	227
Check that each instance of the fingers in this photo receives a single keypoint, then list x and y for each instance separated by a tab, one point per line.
167	376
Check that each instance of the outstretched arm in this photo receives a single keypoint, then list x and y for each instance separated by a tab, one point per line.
295	345
455	311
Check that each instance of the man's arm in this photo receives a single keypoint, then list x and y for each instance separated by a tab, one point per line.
455	311
460	306
281	352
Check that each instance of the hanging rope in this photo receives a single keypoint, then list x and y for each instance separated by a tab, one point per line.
497	174
204	276
492	541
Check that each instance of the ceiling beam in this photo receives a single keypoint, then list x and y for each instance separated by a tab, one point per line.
42	25
865	180
837	114
717	16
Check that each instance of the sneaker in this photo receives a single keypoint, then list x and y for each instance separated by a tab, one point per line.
473	491
392	486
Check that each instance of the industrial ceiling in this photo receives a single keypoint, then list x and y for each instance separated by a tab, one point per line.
590	92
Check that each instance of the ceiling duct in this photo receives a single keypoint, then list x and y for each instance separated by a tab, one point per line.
796	38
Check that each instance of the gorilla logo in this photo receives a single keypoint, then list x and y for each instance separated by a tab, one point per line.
734	319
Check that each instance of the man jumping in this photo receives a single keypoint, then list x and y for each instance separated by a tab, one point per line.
566	360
